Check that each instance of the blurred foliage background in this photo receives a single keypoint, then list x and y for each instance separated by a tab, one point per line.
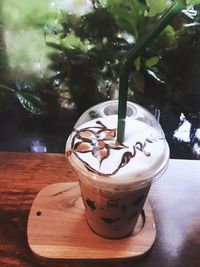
58	54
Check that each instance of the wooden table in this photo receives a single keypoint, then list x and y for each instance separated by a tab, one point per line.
175	201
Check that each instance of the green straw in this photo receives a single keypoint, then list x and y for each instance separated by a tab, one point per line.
132	55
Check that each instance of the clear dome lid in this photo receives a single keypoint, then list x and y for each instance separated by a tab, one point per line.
110	107
140	159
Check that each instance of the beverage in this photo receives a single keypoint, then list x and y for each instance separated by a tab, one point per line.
115	178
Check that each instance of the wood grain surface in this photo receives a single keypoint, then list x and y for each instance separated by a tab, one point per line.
174	199
57	229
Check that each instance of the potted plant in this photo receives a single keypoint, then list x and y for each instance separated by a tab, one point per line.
84	53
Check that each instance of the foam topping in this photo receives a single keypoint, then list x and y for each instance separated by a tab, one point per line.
93	147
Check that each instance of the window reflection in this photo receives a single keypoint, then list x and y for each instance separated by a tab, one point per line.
189	134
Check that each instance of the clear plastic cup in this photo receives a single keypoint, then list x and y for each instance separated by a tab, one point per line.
115	178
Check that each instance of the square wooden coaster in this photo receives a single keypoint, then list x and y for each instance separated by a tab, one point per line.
57	229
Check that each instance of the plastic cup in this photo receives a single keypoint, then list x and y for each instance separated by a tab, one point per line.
115	178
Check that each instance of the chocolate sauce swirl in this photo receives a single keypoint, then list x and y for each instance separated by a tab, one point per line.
99	140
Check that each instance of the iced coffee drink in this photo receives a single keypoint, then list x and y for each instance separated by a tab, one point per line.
114	177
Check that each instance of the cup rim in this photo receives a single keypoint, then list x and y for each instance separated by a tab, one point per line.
120	183
150	177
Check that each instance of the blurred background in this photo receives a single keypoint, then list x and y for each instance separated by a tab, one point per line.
59	57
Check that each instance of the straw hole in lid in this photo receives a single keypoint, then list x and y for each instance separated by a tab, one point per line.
112	109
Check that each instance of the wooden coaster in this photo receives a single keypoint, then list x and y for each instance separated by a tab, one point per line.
57	229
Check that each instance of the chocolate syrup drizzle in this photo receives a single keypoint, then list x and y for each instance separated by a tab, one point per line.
126	157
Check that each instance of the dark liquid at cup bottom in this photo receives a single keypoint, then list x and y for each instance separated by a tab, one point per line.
113	214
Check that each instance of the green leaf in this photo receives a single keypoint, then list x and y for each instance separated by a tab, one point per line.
157	75
182	2
99	3
32	103
7	89
192	2
129	15
170	36
69	21
72	42
137	64
55	46
152	61
22	84
157	7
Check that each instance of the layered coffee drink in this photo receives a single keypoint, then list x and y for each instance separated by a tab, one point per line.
115	177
